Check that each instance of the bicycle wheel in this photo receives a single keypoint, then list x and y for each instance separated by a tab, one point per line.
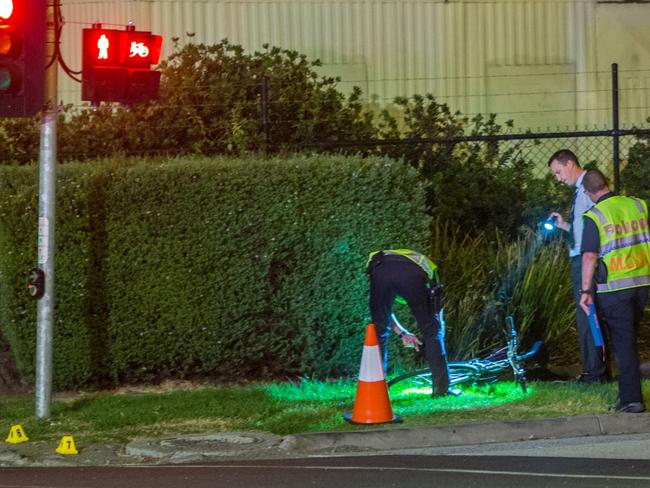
460	373
420	378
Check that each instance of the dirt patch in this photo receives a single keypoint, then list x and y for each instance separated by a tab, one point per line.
166	386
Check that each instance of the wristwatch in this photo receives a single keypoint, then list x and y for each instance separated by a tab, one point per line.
588	292
401	334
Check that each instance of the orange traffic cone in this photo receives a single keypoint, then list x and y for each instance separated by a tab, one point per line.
371	405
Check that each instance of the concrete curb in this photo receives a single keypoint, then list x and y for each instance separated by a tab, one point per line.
262	445
197	447
467	434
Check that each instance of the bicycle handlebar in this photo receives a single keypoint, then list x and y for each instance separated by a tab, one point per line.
533	350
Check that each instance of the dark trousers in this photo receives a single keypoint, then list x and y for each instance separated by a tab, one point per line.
396	275
593	365
622	311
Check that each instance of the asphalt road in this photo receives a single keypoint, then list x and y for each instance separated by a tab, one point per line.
349	472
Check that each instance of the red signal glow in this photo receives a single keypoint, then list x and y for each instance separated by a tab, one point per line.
138	49
22	57
117	65
6	9
7	42
10	48
102	46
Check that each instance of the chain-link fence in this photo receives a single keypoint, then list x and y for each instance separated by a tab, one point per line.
593	148
607	148
596	148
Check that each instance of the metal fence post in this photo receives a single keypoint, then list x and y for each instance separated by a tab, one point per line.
265	110
615	129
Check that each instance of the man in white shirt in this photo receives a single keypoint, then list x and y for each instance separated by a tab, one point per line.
566	169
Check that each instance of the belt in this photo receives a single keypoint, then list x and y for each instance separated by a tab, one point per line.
378	258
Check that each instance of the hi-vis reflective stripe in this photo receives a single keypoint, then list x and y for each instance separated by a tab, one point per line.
624	242
417	258
639	205
371	368
624	283
600	215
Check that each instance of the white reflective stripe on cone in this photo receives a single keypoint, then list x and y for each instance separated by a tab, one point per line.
371	368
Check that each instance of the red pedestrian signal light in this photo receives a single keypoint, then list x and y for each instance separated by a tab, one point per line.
22	57
117	65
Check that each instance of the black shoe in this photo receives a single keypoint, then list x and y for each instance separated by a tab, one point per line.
450	392
633	407
586	379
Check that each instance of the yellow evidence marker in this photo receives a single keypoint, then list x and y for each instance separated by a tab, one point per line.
66	446
16	435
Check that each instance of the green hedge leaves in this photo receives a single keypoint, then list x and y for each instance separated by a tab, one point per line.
228	268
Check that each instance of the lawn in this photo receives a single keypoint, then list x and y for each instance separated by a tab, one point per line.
284	408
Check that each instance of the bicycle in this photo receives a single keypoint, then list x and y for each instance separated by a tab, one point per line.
480	370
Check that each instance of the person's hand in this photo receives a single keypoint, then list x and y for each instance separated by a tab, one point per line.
560	223
586	299
409	340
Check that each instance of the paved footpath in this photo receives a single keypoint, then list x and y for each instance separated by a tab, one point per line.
374	439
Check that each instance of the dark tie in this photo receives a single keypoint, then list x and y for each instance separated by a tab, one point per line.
573	211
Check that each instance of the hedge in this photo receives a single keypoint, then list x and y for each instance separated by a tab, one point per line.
205	267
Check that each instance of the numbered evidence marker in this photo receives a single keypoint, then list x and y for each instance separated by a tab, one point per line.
66	446
16	435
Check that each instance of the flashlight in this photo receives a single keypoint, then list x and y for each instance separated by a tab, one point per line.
549	224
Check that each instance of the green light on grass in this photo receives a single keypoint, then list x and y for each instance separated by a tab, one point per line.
406	399
413	398
417	391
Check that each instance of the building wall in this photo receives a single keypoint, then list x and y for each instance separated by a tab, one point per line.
543	63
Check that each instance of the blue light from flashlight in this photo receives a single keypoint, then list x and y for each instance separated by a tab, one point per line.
549	224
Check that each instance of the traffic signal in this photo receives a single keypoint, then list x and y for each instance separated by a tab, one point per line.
22	57
117	65
36	283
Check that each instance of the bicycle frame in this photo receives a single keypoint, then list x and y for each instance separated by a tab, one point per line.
481	370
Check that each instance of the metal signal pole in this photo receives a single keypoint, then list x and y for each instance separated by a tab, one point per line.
46	223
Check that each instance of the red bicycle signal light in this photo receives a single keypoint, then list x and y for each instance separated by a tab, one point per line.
143	50
22	57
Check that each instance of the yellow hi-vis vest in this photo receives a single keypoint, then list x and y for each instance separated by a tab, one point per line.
420	259
624	242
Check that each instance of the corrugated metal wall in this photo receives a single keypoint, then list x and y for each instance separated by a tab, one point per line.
533	61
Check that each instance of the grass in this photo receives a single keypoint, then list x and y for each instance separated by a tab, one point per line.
308	406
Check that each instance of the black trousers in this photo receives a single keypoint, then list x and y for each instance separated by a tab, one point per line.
622	311
391	276
593	364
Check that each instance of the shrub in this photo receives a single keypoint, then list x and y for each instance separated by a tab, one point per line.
488	279
481	186
635	176
18	250
241	268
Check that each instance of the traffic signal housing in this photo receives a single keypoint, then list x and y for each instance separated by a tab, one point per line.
116	65
36	283
22	57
